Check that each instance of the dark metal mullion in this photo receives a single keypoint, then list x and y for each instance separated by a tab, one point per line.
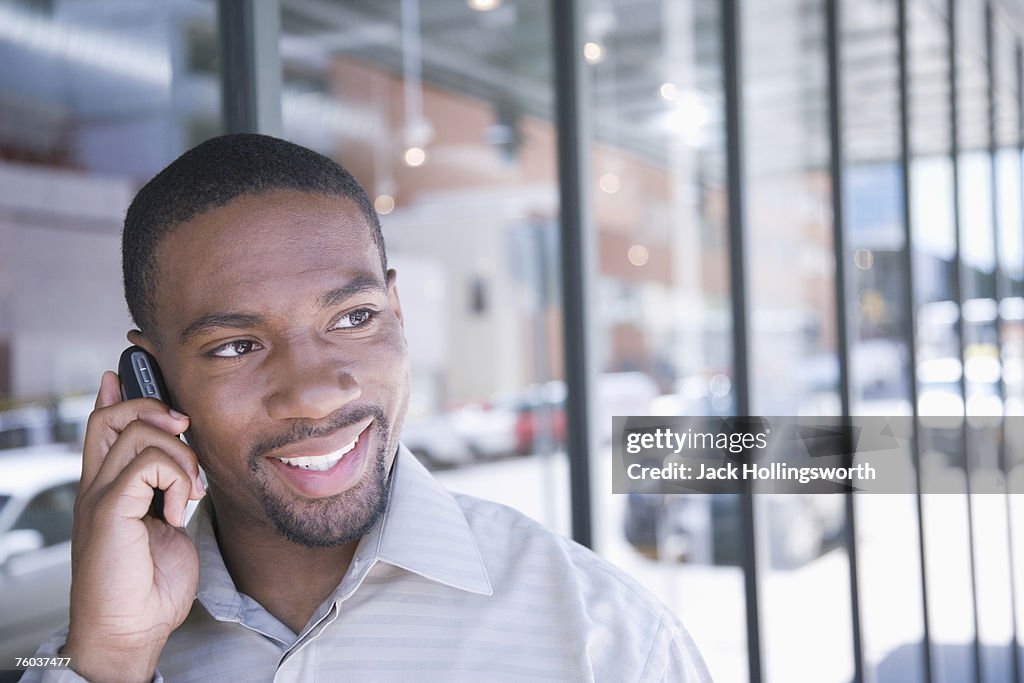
238	100
570	104
249	33
910	315
958	296
730	36
832	38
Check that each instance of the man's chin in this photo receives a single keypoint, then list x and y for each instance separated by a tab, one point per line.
333	520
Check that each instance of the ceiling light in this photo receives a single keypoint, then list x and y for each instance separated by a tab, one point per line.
638	255
483	5
864	259
593	52
384	203
609	182
415	156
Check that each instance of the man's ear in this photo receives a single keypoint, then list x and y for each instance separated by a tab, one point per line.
396	305
136	337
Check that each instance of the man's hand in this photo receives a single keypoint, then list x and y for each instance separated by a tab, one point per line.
134	577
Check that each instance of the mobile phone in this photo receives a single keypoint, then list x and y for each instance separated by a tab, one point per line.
140	378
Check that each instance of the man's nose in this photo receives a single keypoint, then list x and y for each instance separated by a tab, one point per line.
311	386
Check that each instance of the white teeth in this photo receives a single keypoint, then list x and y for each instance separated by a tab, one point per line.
321	463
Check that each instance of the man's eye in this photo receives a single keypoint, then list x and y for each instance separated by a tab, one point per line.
356	318
235	348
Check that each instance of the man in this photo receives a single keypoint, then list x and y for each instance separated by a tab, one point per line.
256	273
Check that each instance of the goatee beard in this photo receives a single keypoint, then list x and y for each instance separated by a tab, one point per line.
338	519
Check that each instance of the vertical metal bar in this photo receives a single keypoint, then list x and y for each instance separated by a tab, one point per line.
731	55
832	37
570	105
250	65
957	286
910	315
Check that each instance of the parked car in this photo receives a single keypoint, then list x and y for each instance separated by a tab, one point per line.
705	528
540	421
26	425
622	393
37	496
435	441
489	430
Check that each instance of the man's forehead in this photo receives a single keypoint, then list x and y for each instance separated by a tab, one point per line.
265	247
288	213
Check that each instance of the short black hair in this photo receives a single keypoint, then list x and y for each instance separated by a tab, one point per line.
211	175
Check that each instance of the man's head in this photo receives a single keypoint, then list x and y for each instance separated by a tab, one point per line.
255	270
211	175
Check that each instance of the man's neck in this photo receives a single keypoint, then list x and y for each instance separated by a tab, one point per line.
289	580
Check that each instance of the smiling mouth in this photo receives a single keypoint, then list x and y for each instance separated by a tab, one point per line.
322	462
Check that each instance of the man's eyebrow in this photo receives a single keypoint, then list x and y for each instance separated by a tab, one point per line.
218	320
359	285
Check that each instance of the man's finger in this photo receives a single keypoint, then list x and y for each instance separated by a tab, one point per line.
110	390
138	437
132	490
107	423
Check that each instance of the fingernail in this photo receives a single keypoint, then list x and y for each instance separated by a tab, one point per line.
178	416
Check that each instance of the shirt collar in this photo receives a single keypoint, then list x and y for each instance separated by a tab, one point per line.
423	530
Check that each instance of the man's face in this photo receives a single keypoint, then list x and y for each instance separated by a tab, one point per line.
282	340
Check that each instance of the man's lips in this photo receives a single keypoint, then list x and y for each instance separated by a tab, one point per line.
323	453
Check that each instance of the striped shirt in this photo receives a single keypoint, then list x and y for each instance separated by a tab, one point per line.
445	587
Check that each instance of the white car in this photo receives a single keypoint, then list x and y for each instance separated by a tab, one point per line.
490	431
37	497
434	440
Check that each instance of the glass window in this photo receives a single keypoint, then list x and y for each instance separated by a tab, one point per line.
662	324
95	98
888	558
945	517
1010	290
793	342
445	116
981	355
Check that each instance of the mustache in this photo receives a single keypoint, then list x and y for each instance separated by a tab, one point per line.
302	430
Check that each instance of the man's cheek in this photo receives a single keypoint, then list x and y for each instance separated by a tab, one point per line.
204	445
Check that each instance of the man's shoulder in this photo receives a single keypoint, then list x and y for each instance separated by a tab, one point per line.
623	625
506	535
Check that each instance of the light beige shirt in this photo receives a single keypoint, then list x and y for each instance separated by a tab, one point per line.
446	587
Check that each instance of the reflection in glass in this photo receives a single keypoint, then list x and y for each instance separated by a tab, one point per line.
663	343
95	98
793	344
888	559
446	118
982	366
939	370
